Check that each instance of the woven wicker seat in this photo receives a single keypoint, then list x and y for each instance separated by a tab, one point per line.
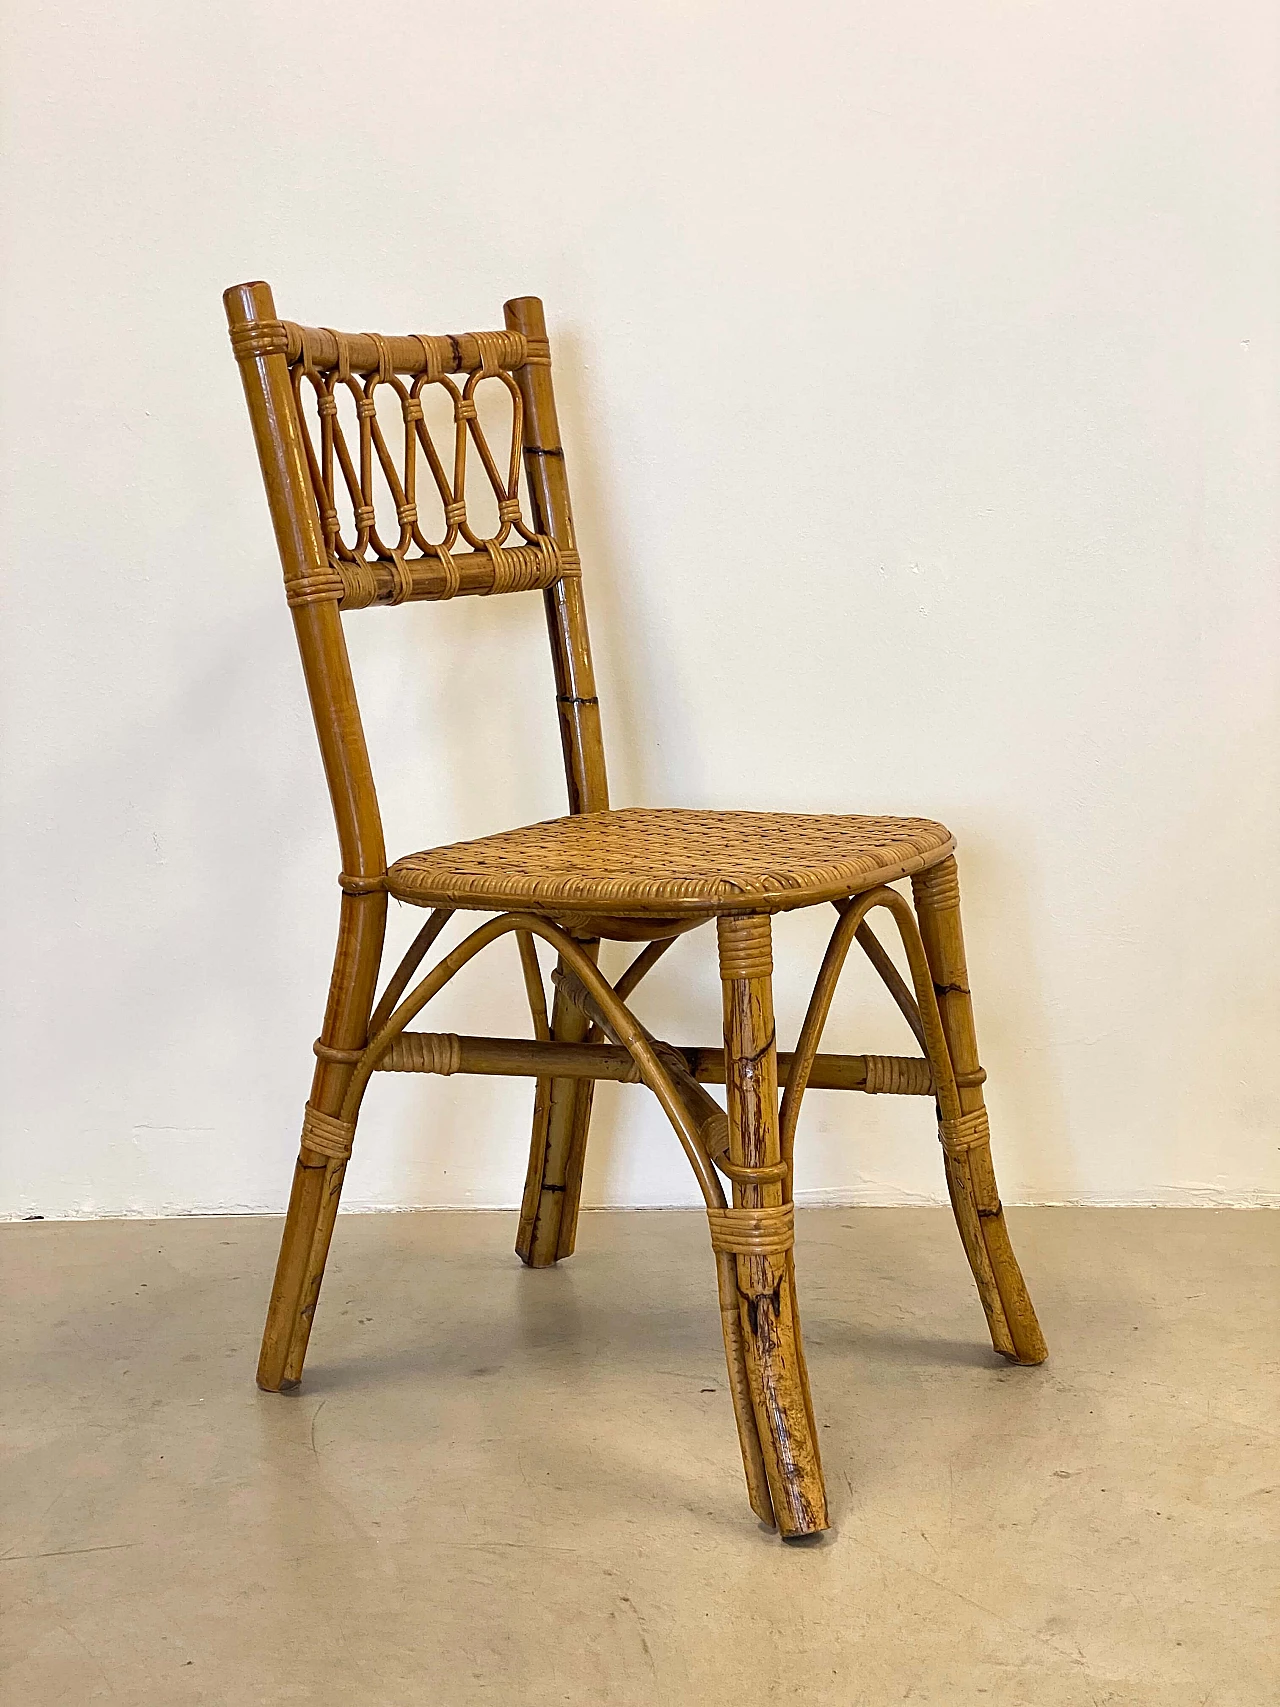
344	477
637	860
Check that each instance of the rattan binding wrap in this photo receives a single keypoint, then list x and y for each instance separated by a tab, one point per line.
326	1135
897	1075
969	1132
753	1232
423	1052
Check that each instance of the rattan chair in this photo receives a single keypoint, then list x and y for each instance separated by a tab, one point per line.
638	876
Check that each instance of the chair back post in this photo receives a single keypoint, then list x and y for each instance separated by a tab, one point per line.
260	344
576	701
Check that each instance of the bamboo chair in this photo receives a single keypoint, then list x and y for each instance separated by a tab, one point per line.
627	875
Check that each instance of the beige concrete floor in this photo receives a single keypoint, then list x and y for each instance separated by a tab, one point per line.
504	1487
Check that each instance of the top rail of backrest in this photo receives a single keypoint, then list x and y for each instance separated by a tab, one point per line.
402	353
415	353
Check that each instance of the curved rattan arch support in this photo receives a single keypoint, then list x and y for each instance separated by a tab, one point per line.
631	1034
635	1039
852	916
963	1133
413	957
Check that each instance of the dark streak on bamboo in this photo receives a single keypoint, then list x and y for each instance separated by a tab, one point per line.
768	1309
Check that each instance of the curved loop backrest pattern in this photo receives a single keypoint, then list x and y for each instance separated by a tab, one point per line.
362	470
358	469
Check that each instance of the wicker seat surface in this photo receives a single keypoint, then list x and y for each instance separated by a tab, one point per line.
669	860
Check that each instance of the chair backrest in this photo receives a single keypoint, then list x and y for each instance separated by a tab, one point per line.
299	380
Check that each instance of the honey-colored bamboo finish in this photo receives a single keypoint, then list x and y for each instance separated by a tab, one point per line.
372	505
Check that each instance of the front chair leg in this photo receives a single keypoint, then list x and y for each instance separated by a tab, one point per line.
304	1249
971	1179
758	1233
326	1145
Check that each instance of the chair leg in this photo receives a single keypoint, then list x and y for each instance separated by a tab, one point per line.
304	1249
757	1233
971	1180
326	1144
557	1152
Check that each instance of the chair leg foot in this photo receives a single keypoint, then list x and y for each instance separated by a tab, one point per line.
971	1180
1011	1317
779	1386
295	1292
740	1388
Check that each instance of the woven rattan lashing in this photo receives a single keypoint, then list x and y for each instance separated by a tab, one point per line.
355	432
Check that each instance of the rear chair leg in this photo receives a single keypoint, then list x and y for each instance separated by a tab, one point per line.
971	1179
757	1234
557	1151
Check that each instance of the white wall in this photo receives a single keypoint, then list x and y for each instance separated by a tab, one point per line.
918	369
